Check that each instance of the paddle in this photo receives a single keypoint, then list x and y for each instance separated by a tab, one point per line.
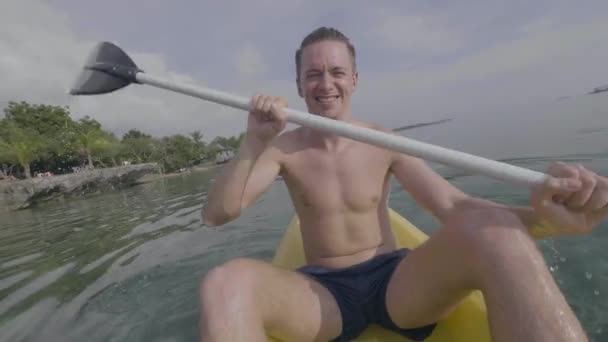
422	124
108	68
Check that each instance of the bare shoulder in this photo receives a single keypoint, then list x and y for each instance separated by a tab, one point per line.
289	138
396	157
373	126
286	143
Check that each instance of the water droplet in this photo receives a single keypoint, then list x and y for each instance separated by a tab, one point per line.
551	269
588	275
596	292
562	259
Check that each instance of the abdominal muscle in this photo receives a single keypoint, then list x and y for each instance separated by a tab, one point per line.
345	239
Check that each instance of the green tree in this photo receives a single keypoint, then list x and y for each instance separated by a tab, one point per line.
56	129
89	138
175	152
44	137
223	144
197	137
20	145
138	146
109	149
199	145
53	123
134	134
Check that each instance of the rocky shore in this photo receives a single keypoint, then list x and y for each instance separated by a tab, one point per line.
22	194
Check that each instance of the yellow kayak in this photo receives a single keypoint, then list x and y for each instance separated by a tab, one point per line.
467	323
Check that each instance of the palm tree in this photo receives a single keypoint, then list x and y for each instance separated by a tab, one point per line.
89	137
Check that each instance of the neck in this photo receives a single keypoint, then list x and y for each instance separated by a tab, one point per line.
328	141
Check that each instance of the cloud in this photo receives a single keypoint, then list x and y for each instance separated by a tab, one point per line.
249	62
415	34
416	64
541	66
42	57
498	91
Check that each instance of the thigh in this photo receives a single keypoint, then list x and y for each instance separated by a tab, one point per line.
428	283
294	306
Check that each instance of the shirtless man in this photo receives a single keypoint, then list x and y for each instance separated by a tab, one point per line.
355	274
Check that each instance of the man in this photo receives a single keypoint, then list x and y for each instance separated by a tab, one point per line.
355	275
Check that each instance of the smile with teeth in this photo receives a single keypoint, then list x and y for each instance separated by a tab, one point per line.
327	99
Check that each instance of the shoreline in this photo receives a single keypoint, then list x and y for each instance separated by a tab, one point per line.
24	193
156	176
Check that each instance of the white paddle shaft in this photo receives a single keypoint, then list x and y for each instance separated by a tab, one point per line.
467	162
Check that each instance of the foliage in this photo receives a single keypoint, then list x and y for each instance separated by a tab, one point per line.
177	151
19	145
40	138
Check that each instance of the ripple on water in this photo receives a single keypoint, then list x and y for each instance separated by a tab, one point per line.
14	279
21	260
180	218
103	259
137	256
32	287
26	325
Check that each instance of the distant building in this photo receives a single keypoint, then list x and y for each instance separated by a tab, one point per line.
224	156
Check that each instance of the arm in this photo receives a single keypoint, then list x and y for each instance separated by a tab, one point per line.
427	187
441	198
254	168
581	209
242	181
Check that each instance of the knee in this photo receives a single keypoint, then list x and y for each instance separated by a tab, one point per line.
227	282
482	230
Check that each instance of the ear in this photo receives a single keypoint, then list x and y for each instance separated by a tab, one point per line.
299	88
355	79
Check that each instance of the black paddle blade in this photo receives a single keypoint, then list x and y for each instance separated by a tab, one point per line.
107	68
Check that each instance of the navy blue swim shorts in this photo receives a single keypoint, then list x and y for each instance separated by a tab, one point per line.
360	293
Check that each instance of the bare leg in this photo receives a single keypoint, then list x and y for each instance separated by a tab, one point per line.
243	299
491	251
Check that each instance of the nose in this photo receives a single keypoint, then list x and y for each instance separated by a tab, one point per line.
326	81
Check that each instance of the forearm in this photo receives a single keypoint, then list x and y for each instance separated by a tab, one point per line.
225	196
536	227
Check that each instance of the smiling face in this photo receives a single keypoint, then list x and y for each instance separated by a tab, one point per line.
327	79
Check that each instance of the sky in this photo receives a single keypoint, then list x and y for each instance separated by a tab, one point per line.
487	65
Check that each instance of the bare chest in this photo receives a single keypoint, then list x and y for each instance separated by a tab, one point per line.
351	180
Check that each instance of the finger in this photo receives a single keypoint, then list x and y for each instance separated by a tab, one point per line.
253	102
563	170
580	198
253	110
278	110
597	201
280	124
554	189
261	108
261	102
267	104
599	197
